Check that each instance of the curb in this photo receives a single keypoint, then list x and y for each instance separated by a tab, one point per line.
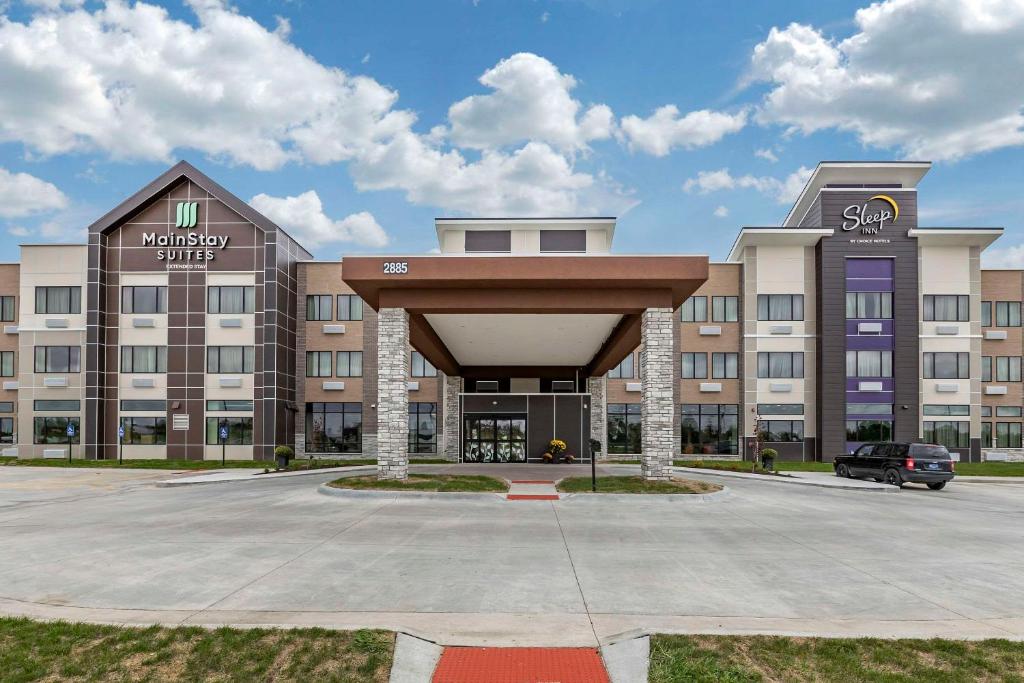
414	495
170	483
795	481
415	659
685	499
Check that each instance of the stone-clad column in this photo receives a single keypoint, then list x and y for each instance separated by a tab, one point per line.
450	427
392	393
598	412
656	379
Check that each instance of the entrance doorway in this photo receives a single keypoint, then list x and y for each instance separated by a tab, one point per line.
494	438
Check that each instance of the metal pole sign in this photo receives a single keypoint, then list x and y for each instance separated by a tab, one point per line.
71	435
120	452
223	433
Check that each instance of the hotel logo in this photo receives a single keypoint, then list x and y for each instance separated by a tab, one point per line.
185	216
857	215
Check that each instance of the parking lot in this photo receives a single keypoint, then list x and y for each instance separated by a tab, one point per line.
111	546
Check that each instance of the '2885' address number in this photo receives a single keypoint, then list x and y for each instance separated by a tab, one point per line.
396	267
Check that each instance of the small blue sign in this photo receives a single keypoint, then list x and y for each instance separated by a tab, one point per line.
223	433
120	432
71	428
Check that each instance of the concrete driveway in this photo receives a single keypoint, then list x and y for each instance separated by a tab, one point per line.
770	558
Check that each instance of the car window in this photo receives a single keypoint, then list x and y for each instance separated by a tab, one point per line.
899	450
881	450
865	449
921	450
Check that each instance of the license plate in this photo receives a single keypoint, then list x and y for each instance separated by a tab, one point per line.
933	465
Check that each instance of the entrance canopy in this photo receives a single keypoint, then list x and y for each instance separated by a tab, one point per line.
524	312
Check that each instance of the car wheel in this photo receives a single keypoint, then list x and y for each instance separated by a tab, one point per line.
843	471
892	478
937	486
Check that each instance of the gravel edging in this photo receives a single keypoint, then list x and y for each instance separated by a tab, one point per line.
420	495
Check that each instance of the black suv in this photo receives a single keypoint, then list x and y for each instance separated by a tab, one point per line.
898	463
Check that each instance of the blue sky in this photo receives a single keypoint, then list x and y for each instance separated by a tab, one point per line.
354	124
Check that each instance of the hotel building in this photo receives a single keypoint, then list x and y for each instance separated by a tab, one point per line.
193	325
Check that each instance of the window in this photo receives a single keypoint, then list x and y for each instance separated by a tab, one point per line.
6	430
623	428
563	386
725	309
1007	368
1008	411
709	429
489	240
7	312
318	307
947	365
986	435
350	364
239	430
231	300
623	370
350	307
986	368
6	406
563	241
140	405
144	431
948	307
318	364
946	410
144	299
869	305
780	408
6	363
334	427
868	409
487	386
986	314
986	411
422	427
144	359
694	365
220	359
54	430
235	406
58	359
949	433
780	364
1007	314
694	310
1008	435
724	365
421	367
55	405
776	431
780	306
869	363
58	299
869	430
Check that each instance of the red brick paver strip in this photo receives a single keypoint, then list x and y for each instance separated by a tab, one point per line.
520	665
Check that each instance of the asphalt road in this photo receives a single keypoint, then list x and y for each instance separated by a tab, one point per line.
769	558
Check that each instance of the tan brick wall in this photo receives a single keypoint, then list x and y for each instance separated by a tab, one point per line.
9	284
1002	285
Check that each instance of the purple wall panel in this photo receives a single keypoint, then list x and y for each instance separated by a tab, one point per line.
869	267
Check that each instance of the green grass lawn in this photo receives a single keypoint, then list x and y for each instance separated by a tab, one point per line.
727	465
35	651
197	464
445	483
634	485
739	659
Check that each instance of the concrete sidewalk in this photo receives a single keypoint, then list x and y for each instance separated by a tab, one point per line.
820	479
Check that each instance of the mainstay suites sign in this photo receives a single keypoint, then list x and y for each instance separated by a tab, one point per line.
188	249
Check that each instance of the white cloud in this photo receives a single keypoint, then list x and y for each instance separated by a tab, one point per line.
544	17
531	101
936	79
782	191
365	59
1003	257
22	195
766	154
130	82
721	211
18	231
665	129
304	218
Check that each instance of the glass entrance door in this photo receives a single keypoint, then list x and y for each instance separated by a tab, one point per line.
494	438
